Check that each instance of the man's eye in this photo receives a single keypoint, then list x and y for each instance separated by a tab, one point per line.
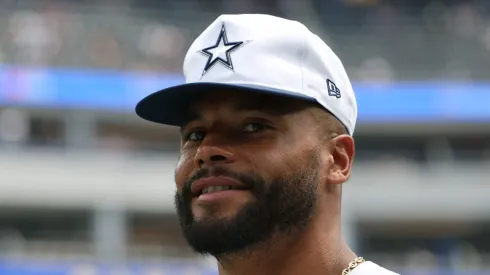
195	136
254	127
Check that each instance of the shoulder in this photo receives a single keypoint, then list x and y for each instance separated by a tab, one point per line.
370	268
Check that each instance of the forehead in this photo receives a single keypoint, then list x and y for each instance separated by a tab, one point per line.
246	101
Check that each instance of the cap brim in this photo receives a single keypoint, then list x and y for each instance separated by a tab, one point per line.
170	106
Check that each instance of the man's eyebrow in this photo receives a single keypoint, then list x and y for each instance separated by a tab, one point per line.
191	116
265	106
258	105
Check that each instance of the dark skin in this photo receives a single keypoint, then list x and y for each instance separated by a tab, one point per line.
269	135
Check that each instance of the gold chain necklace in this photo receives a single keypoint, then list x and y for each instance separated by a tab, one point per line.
357	261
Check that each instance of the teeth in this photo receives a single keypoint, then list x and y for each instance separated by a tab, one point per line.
215	189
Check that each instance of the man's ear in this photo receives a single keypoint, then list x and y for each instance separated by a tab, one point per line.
342	152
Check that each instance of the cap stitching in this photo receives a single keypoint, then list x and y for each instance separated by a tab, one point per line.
303	54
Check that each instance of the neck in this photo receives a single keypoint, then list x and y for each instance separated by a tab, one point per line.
319	249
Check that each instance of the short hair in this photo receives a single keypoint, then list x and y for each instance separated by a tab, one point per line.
328	124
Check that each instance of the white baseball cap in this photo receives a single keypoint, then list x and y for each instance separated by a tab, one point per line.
257	53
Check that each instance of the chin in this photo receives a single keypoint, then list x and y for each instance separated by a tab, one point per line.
216	213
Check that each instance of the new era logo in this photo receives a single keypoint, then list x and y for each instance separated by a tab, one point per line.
332	89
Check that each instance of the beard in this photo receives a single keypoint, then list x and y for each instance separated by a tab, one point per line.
284	205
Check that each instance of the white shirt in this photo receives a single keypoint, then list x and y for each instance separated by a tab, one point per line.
370	268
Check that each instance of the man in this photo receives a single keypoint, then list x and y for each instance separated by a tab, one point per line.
267	115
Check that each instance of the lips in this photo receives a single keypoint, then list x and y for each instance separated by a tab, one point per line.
213	189
215	184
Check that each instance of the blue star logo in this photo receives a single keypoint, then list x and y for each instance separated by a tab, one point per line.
221	51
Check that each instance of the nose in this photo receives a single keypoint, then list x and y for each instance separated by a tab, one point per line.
213	152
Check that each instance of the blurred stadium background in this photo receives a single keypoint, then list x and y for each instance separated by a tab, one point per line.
86	187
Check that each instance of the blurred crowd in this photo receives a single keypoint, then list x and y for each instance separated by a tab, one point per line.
381	40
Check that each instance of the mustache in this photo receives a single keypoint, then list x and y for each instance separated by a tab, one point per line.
216	172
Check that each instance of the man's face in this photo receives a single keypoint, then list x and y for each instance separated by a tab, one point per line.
248	168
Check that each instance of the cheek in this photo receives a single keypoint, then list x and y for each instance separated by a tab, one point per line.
273	161
282	159
183	168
